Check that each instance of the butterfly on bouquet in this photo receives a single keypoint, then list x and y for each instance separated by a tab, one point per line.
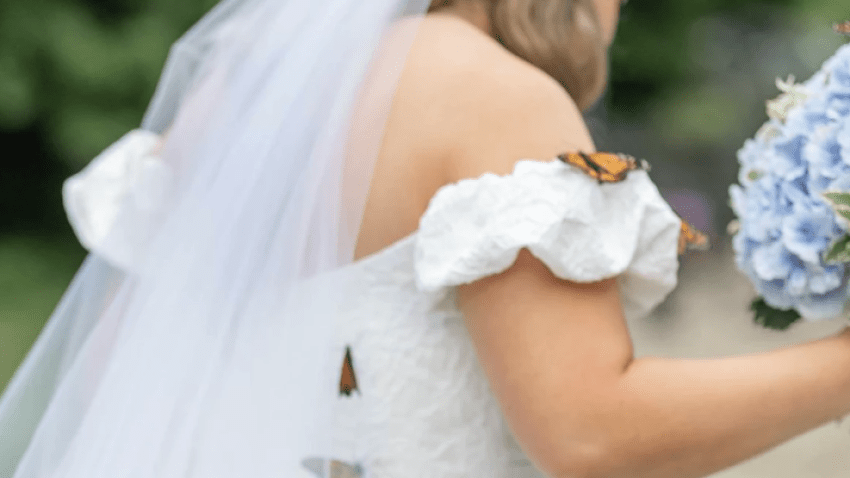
613	168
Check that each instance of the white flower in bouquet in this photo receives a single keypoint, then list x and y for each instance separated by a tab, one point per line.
793	200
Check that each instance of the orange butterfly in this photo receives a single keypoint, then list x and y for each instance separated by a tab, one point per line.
842	28
348	380
604	167
690	238
613	168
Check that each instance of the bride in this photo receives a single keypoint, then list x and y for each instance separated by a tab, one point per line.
341	246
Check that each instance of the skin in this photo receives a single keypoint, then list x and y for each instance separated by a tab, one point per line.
608	14
557	353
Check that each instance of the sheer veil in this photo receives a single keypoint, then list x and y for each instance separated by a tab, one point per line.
199	339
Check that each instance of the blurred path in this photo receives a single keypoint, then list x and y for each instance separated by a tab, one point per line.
709	315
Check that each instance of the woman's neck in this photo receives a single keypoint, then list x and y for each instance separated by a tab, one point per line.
475	12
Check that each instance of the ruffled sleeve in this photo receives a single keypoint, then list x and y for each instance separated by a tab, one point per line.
582	230
113	202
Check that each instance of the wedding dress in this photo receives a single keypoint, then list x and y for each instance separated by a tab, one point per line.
204	335
419	383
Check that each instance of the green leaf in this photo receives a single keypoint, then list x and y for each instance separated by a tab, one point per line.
771	317
839	251
843	212
838	200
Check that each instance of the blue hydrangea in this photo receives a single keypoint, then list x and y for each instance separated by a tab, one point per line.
785	225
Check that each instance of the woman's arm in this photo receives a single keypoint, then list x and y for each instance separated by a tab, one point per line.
558	354
559	358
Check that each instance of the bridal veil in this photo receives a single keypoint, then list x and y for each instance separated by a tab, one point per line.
198	337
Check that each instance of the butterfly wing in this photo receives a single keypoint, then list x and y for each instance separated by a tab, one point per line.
843	28
604	167
348	380
613	168
690	238
581	161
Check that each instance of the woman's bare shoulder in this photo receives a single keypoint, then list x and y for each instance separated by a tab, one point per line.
492	107
453	56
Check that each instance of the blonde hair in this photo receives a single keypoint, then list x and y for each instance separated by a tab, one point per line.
561	37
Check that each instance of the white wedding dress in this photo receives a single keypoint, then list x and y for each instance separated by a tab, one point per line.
418	378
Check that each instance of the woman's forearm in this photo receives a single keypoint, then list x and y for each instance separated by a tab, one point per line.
689	418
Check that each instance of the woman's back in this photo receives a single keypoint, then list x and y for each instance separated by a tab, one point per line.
464	106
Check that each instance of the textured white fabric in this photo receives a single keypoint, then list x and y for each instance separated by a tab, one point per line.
125	177
162	366
582	230
420	384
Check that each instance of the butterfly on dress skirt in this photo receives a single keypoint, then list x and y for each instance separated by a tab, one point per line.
324	468
843	28
348	380
329	468
613	168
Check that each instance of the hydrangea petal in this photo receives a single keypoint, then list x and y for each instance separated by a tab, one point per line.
806	234
775	294
823	306
826	279
772	261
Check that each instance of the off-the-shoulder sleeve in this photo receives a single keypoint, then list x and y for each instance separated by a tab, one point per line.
582	230
112	203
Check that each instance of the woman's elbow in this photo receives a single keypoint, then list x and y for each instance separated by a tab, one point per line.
584	460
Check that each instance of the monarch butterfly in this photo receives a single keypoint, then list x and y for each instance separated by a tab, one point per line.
604	167
843	28
348	381
613	168
325	468
690	238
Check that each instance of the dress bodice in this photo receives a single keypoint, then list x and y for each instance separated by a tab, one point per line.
420	384
418	378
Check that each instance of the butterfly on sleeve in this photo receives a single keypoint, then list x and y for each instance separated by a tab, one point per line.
613	168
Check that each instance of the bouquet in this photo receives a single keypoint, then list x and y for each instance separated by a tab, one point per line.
793	200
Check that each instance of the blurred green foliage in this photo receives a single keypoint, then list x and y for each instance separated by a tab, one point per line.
84	70
663	47
689	81
34	274
74	76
